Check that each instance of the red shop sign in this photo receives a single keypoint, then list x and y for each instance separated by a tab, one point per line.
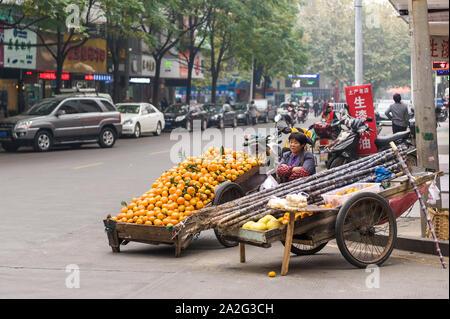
360	103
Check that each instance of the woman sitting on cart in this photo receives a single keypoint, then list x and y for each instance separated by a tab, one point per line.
297	162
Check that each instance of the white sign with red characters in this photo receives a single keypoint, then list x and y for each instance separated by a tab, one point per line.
360	106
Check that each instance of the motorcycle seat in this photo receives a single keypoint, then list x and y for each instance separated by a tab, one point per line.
385	140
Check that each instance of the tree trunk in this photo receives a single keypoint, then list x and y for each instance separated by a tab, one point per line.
155	97
189	79
213	87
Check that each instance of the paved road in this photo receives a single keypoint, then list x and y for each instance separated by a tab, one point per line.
51	211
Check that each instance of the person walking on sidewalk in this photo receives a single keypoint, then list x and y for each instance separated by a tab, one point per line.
398	114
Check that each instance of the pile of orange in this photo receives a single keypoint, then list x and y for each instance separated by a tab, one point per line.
285	218
186	188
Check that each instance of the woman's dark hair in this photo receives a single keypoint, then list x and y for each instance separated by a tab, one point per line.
300	137
397	98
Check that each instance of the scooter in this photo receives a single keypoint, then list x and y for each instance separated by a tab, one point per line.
343	149
302	114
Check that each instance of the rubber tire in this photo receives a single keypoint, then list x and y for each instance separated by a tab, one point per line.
158	129
137	126
338	161
10	147
220	192
36	139
340	225
101	143
301	252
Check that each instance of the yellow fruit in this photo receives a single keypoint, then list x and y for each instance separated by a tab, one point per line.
272	274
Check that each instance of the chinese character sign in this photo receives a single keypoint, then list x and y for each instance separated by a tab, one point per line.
360	103
439	48
19	49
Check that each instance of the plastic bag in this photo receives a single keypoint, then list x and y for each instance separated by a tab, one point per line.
433	193
269	183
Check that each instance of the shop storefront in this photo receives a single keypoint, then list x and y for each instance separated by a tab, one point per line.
17	57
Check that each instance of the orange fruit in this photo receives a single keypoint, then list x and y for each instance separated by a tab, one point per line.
148	222
181	208
124	210
130	221
199	205
193	201
160	216
272	274
175	215
187	197
124	220
180	200
157	222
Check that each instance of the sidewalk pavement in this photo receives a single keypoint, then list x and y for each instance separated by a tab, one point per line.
409	233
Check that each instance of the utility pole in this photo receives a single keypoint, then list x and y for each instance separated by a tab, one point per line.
424	110
358	43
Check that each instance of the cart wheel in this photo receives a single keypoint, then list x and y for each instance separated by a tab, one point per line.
305	250
224	193
366	230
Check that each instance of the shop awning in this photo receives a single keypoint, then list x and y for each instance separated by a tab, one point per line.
438	14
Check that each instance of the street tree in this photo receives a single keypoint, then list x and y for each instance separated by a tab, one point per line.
121	17
163	27
56	17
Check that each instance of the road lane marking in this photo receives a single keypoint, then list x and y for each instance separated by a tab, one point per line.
160	152
88	165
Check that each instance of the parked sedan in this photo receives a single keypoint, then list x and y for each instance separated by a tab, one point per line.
220	115
242	113
179	115
139	118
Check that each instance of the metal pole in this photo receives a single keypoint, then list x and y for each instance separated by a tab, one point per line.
358	43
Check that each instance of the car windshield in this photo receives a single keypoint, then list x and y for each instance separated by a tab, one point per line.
382	107
214	107
240	107
44	107
176	108
134	109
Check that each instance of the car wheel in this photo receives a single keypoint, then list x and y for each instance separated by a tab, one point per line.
107	137
137	130
158	129
10	147
43	141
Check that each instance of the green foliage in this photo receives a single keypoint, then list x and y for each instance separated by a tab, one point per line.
329	29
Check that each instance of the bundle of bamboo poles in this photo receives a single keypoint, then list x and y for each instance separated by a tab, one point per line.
254	206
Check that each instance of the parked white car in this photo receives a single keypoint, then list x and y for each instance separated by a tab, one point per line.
140	118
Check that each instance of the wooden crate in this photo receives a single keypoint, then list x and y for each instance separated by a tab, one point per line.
120	233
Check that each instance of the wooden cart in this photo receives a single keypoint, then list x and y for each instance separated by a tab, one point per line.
364	228
120	233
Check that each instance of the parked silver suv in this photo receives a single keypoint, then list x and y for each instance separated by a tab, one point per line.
72	119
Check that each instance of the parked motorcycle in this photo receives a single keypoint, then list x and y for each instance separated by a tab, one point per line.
343	149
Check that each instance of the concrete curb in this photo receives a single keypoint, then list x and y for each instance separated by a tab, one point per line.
421	245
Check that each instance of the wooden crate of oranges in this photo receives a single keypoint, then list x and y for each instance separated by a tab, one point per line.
175	196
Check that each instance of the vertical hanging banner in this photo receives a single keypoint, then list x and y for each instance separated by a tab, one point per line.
360	104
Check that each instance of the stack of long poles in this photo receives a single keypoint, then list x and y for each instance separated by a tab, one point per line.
251	207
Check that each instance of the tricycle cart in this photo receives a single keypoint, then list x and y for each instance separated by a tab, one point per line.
364	227
120	233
